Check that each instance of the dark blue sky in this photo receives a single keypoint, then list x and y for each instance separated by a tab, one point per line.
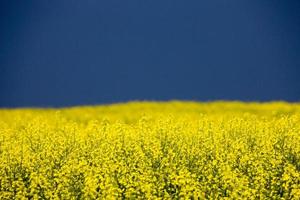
63	53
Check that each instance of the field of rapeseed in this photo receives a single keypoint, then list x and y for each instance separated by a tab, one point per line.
148	150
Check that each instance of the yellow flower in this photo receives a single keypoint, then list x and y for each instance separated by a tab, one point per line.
151	150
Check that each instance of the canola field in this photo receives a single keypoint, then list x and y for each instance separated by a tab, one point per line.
152	150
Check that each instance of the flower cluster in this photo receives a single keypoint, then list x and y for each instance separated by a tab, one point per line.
152	150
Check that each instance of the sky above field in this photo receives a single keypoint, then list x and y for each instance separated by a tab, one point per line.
64	53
